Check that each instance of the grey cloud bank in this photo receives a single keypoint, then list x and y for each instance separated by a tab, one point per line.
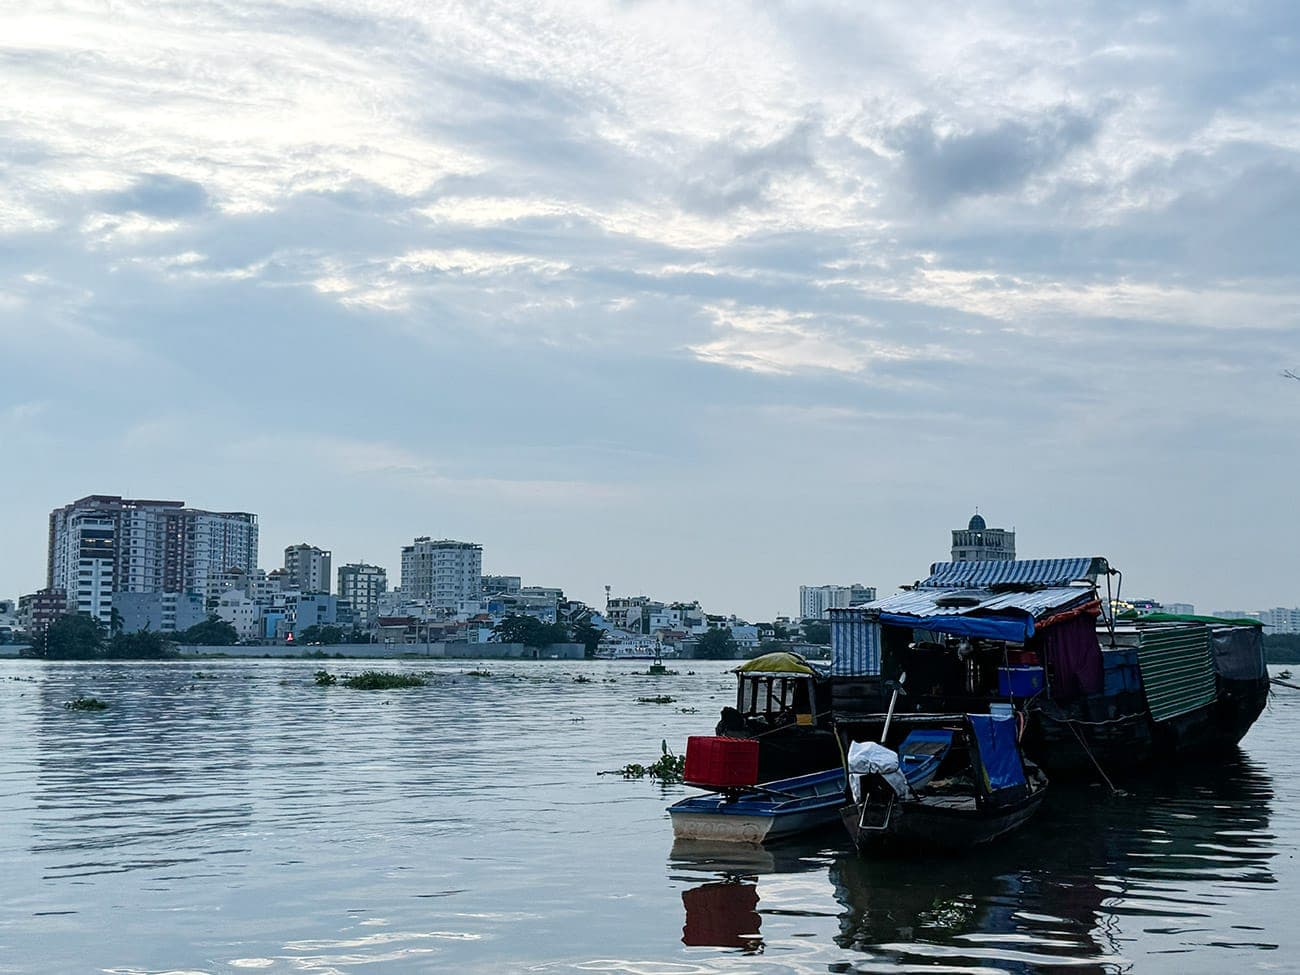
689	302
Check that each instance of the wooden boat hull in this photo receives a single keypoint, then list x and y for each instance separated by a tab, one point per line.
770	812
918	824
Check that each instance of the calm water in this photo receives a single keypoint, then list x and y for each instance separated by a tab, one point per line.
253	822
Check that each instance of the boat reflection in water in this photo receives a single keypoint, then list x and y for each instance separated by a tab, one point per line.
1062	891
723	913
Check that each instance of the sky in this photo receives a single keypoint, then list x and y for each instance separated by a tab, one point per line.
691	300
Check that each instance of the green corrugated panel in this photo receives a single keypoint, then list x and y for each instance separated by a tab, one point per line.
1177	670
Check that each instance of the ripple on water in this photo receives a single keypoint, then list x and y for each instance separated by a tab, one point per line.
462	827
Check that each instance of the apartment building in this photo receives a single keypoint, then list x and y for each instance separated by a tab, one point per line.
102	544
444	573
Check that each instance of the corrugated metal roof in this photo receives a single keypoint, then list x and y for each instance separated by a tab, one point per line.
925	602
1042	572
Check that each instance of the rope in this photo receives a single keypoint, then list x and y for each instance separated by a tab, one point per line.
1100	771
1279	680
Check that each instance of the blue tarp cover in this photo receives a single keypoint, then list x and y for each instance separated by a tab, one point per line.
995	736
1015	629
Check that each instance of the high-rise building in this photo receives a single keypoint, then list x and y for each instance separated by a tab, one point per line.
104	544
308	567
979	543
815	601
443	573
362	585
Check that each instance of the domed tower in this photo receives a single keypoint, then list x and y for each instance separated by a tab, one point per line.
979	543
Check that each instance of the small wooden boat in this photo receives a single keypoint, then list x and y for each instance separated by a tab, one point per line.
761	813
756	814
976	785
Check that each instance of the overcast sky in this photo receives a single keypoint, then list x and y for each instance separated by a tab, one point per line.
690	302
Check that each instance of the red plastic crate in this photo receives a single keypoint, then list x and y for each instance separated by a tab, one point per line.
721	763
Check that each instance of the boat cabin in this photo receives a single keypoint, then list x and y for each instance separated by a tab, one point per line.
1036	636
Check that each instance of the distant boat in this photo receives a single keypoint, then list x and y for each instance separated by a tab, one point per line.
640	650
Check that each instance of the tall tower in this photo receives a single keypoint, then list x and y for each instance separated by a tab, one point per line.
979	543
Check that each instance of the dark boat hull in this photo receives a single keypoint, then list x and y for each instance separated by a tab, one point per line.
918	825
1104	731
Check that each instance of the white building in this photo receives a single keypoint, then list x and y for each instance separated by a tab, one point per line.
308	568
444	573
362	585
1280	619
241	612
979	543
816	601
104	544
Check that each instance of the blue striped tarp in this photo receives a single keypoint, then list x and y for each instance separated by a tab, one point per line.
855	643
1035	572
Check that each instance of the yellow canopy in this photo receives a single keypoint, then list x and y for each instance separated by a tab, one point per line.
783	662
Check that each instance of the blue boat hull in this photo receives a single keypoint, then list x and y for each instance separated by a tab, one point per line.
772	811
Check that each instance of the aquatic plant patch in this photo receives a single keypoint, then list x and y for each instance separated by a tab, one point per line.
86	704
382	680
667	768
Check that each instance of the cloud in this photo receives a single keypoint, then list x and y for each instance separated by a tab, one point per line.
520	257
941	165
158	195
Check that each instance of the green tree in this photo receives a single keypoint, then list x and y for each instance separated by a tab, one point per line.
75	637
212	632
717	644
818	634
769	646
327	635
588	635
143	645
530	631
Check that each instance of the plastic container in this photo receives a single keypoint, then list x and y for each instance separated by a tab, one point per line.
1120	672
721	763
1020	681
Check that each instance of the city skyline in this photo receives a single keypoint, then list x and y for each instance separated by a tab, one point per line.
710	301
142	509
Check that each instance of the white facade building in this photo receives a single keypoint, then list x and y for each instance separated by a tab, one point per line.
815	602
1280	619
241	612
447	574
104	544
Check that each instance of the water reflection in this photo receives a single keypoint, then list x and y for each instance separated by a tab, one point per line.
1166	857
723	915
724	912
1169	850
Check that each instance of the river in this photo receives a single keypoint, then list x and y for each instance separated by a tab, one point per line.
234	817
